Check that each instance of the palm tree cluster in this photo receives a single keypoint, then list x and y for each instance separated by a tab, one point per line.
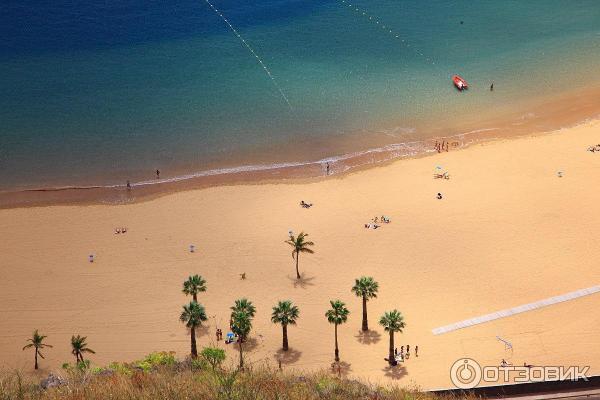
79	347
284	313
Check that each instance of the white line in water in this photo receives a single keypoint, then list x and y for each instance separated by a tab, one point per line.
516	310
251	50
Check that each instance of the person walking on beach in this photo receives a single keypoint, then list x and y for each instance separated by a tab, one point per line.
417	351
327	168
439	197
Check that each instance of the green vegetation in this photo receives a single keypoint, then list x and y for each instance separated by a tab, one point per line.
214	356
241	324
367	288
37	342
337	315
177	381
194	285
285	313
192	316
300	246
243	305
392	321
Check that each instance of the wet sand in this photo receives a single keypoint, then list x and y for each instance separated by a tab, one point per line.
345	155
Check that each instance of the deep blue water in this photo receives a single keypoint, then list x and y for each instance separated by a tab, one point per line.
100	92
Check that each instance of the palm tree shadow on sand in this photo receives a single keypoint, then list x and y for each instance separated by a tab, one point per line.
304	281
341	368
287	357
397	372
251	343
368	337
202	330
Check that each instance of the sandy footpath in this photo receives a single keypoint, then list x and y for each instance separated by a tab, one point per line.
507	232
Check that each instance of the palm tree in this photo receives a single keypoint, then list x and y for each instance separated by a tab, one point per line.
37	342
245	305
194	285
241	324
337	315
300	246
192	316
285	313
365	287
392	321
79	346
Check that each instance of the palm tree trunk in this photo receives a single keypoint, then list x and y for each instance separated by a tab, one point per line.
285	338
297	257
241	356
193	340
391	355
365	322
36	363
195	297
337	350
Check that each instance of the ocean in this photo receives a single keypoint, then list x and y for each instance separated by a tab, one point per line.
98	93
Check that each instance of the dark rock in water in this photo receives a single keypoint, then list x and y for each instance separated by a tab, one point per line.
52	381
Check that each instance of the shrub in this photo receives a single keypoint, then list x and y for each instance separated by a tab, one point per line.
214	356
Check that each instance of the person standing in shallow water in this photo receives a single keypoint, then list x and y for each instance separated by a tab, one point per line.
492	87
157	174
327	168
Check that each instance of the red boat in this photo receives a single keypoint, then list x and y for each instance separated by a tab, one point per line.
460	83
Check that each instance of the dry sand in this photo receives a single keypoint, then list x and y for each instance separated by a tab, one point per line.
507	232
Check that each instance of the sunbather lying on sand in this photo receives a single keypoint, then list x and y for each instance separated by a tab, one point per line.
305	205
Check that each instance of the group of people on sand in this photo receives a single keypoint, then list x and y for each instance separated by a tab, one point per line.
505	364
375	222
230	337
594	149
120	230
403	356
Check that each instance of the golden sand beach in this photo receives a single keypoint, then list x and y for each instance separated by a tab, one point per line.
508	231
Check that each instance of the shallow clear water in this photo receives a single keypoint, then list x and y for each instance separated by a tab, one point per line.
100	93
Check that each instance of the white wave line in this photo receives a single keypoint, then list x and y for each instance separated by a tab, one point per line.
516	310
251	50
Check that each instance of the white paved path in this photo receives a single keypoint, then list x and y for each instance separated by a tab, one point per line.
516	310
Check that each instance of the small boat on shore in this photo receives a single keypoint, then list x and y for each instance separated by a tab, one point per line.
460	83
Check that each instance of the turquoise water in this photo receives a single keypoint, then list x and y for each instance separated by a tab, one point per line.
97	94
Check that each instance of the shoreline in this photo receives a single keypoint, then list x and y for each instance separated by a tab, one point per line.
543	118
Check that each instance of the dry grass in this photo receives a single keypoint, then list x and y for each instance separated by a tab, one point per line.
180	381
